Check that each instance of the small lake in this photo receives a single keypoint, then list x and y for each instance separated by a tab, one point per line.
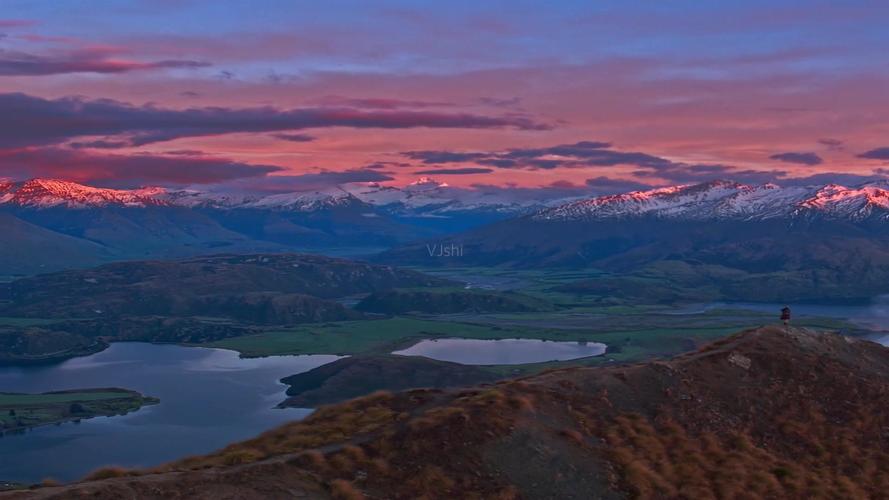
209	399
502	352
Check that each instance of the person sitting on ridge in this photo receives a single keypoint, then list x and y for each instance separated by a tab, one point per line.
785	315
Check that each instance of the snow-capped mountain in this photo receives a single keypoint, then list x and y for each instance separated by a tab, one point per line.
724	200
428	197
309	201
425	197
191	198
47	193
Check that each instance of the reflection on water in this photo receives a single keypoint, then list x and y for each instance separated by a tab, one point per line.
502	352
209	398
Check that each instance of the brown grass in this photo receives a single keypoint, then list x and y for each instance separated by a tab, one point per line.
798	424
344	490
107	473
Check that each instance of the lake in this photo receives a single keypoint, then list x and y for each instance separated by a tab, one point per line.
502	352
209	399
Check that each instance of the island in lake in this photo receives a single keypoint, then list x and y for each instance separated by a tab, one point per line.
23	411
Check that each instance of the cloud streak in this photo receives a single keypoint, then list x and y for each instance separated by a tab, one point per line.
648	169
810	159
377	103
126	170
455	171
577	155
80	61
42	121
295	137
876	154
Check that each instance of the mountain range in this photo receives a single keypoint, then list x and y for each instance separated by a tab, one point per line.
725	200
762	243
55	224
426	197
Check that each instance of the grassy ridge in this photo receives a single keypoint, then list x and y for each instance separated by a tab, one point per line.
22	411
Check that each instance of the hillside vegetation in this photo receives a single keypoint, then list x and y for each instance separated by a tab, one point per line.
188	301
767	413
449	301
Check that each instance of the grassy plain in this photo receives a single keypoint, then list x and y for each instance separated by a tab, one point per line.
22	411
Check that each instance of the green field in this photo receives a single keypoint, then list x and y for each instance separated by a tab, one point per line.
21	322
632	331
21	411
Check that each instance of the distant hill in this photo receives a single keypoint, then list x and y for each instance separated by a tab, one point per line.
29	249
190	300
359	375
767	413
449	301
199	286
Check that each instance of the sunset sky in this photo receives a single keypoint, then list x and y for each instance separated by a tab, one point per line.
601	96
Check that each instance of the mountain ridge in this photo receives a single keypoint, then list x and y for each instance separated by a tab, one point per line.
720	199
727	200
424	194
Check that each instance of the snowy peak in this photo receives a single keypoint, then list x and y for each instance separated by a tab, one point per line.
730	200
425	197
428	198
48	193
857	203
426	183
308	201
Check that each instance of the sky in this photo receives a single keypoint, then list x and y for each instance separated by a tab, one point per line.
601	96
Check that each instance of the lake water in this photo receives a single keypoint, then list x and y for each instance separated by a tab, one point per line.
502	352
209	398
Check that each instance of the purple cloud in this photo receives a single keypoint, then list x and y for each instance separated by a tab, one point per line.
455	171
126	171
98	144
876	154
799	158
42	121
377	103
832	144
500	102
578	155
295	137
79	61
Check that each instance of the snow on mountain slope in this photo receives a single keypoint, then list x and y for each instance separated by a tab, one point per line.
429	198
47	193
191	198
730	200
305	201
857	203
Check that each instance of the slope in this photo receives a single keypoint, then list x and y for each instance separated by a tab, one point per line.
767	413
